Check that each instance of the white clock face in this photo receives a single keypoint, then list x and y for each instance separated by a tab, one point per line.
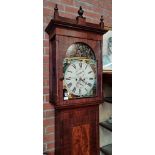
79	78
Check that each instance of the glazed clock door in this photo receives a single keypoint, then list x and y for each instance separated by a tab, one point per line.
80	73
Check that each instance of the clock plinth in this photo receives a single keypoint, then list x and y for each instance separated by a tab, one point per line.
76	82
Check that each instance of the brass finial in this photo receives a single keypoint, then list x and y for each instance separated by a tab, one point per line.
80	12
101	22
56	12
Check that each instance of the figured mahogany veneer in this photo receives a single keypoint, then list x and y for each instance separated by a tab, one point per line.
76	121
77	131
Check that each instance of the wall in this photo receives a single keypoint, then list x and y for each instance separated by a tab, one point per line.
67	8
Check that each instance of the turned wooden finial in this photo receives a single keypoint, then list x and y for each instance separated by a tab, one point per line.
80	12
102	22
56	12
80	19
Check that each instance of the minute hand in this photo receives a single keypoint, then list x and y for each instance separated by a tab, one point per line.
89	84
83	81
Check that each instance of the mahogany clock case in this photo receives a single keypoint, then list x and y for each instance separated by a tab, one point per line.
76	120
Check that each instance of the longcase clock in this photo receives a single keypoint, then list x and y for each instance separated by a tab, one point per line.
76	82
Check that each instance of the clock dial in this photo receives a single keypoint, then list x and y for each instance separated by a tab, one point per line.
80	70
79	78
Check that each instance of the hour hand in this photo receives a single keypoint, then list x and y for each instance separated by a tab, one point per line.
83	80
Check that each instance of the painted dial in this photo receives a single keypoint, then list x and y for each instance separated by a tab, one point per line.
79	78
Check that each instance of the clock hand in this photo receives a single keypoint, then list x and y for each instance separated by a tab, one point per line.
83	81
89	84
